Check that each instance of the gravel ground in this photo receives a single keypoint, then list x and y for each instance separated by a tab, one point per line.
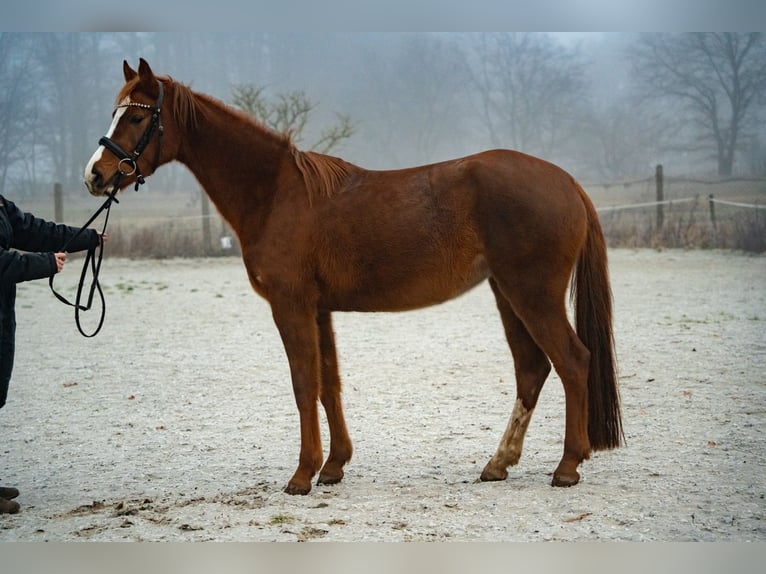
177	421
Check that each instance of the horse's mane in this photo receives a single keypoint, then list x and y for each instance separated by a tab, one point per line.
322	174
184	105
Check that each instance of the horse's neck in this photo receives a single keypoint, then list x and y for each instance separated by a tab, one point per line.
237	164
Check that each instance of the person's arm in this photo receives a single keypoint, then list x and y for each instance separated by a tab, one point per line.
16	267
32	234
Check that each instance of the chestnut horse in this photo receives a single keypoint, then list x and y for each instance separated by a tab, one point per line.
319	234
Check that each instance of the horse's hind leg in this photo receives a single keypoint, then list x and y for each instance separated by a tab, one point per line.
330	395
532	368
543	311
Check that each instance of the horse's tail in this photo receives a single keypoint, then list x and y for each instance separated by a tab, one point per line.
592	297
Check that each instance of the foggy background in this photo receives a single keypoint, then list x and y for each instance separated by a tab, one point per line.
607	107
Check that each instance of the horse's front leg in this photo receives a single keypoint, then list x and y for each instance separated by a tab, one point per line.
300	336
330	395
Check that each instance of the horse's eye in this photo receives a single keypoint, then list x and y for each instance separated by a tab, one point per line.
137	119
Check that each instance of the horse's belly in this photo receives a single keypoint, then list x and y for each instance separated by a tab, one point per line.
405	287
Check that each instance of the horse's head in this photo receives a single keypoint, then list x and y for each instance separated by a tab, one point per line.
132	148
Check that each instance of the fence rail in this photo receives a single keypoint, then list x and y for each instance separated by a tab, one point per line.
645	204
736	203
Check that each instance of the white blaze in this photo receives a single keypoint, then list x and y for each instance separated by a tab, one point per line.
100	150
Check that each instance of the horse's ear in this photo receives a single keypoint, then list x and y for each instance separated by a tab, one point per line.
144	70
129	72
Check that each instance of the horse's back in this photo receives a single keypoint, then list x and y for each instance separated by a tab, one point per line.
408	238
510	176
498	176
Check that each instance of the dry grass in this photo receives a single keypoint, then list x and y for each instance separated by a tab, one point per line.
160	241
688	226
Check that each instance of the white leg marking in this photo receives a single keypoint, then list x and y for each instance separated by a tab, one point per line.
509	450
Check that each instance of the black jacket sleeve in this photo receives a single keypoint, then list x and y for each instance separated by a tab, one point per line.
31	233
16	267
39	239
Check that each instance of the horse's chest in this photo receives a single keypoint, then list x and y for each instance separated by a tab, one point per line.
257	281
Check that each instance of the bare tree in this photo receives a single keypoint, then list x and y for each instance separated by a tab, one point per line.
290	113
529	87
71	66
16	102
619	140
425	88
411	89
715	76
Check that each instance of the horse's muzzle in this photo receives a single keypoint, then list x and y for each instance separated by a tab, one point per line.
99	186
94	183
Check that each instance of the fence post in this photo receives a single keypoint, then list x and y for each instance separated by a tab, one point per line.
711	203
660	197
58	203
206	237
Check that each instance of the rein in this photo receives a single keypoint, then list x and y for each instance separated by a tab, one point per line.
92	260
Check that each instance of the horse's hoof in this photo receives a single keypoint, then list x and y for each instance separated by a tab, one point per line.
329	478
561	479
293	488
493	474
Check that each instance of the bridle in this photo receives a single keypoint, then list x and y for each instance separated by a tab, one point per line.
131	159
127	166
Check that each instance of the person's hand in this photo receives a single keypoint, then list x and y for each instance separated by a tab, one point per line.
104	238
60	260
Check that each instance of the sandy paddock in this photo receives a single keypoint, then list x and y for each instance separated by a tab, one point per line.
177	422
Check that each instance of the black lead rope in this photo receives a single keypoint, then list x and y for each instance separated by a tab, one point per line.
92	261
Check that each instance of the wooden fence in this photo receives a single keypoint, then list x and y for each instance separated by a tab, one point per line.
668	211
